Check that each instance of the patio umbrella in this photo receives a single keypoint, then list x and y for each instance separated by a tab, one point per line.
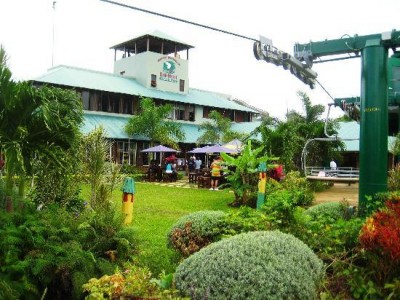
234	144
218	149
199	150
160	149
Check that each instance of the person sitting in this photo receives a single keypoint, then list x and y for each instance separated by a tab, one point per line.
168	168
171	172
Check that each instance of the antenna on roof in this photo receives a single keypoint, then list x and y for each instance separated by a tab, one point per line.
52	50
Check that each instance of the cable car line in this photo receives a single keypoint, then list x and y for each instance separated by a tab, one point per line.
180	20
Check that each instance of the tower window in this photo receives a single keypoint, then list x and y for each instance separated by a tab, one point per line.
153	80
181	85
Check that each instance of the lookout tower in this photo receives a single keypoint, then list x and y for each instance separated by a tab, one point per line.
155	60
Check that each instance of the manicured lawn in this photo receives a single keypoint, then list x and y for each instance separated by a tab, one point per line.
155	210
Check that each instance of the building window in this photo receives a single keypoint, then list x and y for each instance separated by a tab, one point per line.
181	85
94	102
127	106
126	152
189	112
205	111
113	102
85	99
239	116
153	80
179	112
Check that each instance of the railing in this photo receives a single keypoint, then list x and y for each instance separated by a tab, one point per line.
339	173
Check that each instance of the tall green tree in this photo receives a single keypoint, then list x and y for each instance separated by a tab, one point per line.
153	123
286	139
34	122
217	130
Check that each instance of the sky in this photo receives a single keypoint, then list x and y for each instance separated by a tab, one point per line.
80	33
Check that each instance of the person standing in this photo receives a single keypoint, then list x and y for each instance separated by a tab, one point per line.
215	173
197	163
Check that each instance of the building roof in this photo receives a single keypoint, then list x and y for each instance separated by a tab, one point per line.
349	132
156	37
94	80
114	125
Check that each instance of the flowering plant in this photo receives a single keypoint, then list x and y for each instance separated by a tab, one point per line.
381	232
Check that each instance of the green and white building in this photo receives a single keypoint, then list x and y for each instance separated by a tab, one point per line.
152	65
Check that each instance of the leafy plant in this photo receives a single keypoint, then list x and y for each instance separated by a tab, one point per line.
35	121
54	251
255	265
243	172
194	231
381	233
394	176
217	130
154	124
244	219
299	187
131	283
330	210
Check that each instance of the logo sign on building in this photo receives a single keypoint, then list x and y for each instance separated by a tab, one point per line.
168	69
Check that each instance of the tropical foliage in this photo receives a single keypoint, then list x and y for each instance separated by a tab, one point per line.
286	139
153	123
101	174
35	122
217	130
243	172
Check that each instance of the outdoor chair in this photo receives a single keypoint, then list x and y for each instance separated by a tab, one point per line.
204	180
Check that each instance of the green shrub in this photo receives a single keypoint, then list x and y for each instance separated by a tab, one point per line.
245	219
330	210
319	186
132	283
299	187
196	230
255	265
56	251
394	179
280	206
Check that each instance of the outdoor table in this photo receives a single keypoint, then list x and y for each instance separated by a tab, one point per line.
193	177
169	177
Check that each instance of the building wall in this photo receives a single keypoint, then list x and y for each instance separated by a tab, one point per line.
168	71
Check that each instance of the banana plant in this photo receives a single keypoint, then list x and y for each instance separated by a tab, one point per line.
243	171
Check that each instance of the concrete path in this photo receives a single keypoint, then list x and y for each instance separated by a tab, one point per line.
338	192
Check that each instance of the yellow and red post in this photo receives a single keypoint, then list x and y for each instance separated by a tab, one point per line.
262	182
128	197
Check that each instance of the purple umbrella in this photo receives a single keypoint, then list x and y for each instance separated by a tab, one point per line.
218	149
159	148
199	150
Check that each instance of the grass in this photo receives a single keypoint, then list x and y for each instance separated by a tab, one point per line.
156	208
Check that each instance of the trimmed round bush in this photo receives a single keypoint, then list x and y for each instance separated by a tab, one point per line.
196	230
254	265
330	210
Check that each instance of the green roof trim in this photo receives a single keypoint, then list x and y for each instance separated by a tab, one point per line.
114	126
94	80
351	132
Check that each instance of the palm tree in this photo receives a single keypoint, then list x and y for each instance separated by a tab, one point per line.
34	122
217	130
153	123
